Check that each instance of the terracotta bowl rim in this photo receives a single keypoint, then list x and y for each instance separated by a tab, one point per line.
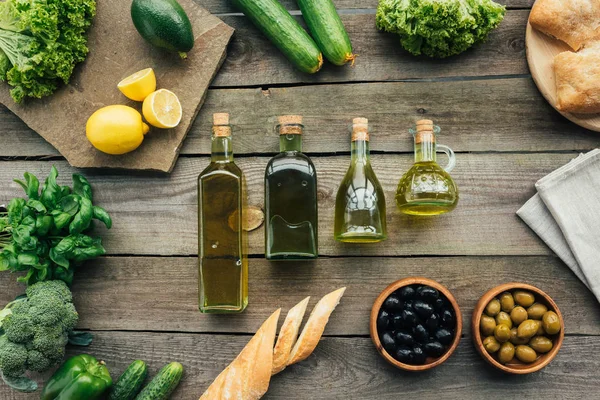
416	280
476	318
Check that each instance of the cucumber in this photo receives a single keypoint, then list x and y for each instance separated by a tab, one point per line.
163	384
164	24
327	28
130	382
284	32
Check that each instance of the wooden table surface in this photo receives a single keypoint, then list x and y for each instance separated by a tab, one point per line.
140	301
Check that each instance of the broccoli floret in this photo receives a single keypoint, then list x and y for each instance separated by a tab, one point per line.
70	318
47	311
13	357
18	328
38	362
50	340
57	288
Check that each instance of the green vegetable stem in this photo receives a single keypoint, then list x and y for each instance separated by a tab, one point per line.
41	41
46	235
80	378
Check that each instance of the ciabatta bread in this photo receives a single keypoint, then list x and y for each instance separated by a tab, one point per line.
315	326
577	77
288	335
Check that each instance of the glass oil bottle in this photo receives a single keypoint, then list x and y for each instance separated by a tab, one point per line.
427	188
360	203
223	263
291	197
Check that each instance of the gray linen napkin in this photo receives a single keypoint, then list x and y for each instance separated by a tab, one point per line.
566	215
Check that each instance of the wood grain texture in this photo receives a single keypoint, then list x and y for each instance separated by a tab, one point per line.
350	368
156	215
161	294
253	60
483	115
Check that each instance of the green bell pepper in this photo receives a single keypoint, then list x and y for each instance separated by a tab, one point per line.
80	378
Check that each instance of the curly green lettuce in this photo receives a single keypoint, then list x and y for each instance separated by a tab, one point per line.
439	28
41	41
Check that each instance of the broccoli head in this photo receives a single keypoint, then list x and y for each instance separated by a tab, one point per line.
36	329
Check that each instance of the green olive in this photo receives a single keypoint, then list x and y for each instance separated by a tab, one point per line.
536	311
507	302
541	344
502	333
524	298
487	325
525	354
506	353
491	344
551	323
518	315
515	339
528	329
540	331
504	319
493	308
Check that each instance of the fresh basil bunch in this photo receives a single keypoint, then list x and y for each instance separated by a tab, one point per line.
45	234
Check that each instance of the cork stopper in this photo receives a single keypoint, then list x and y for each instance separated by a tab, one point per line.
290	124
360	129
425	129
221	126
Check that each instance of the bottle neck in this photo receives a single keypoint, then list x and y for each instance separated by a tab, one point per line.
360	151
290	142
425	147
221	150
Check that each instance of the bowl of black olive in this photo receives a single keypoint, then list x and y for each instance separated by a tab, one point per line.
415	324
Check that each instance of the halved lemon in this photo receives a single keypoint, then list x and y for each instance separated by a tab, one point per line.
139	85
162	109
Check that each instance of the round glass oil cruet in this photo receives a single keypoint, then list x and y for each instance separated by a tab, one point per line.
427	188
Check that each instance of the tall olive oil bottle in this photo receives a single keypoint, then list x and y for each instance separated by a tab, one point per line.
223	275
360	202
427	188
291	197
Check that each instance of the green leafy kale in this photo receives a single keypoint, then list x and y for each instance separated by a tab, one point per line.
439	28
46	235
41	41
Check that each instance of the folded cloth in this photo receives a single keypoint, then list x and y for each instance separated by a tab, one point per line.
566	215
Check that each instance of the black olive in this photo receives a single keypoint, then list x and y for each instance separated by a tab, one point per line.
444	336
403	337
383	321
388	342
406	292
419	356
397	322
404	355
428	293
432	322
420	333
392	303
439	303
408	305
447	319
409	318
422	309
434	349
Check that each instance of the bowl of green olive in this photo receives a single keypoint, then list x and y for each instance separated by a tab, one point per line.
517	328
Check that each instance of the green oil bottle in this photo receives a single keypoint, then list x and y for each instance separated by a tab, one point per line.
223	262
360	202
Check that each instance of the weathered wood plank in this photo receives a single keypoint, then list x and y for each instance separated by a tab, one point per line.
156	215
350	368
253	60
160	294
485	115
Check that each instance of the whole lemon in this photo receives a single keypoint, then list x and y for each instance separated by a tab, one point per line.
116	129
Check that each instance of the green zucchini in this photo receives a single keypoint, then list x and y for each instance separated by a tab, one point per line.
327	28
284	32
163	384
130	382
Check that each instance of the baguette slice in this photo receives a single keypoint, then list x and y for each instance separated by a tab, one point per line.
315	326
248	376
288	335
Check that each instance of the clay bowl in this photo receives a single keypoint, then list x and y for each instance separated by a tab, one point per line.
431	362
516	366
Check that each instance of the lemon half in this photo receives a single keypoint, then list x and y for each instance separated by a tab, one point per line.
139	85
162	109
